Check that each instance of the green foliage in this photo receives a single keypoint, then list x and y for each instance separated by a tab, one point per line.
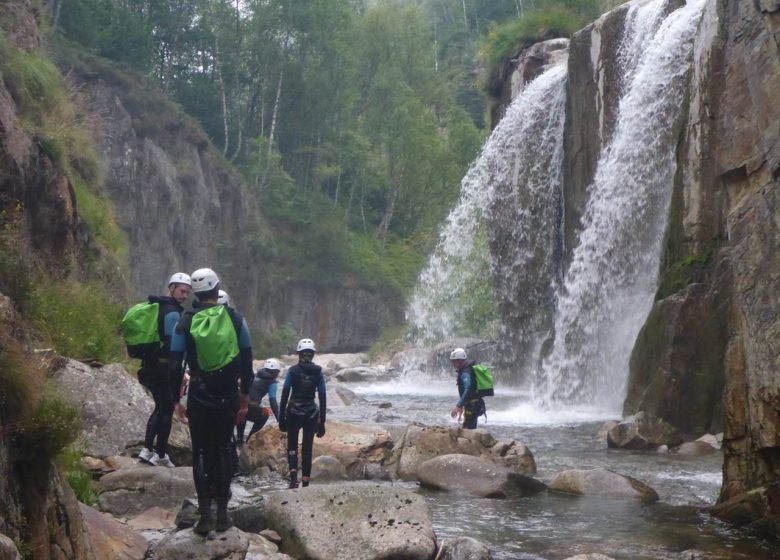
98	215
548	20
77	319
51	427
77	475
390	340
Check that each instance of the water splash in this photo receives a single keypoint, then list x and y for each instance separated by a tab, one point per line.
609	286
518	151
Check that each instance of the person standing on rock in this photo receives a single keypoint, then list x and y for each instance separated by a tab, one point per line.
155	373
470	405
299	411
215	339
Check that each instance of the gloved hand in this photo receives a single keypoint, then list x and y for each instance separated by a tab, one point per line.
320	430
282	425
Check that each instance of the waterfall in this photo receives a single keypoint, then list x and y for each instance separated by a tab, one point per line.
608	288
525	148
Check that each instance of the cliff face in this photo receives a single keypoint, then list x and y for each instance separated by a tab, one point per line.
707	356
183	207
723	324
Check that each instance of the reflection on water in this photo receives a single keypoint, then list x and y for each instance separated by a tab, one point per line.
550	526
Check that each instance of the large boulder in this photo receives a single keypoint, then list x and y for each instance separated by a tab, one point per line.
331	363
184	545
112	540
355	521
421	443
128	492
109	398
642	432
603	483
355	446
362	374
477	476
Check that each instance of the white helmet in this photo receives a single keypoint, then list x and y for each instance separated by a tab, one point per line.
458	354
272	364
224	298
180	278
204	280
306	344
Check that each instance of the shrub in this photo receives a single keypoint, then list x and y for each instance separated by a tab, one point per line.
20	382
51	427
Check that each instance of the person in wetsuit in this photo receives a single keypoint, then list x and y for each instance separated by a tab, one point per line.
299	412
155	375
215	404
265	383
470	405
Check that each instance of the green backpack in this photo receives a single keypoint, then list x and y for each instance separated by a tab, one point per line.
214	334
484	380
141	329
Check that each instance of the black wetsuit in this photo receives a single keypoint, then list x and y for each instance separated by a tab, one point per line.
473	404
212	403
302	381
263	381
155	376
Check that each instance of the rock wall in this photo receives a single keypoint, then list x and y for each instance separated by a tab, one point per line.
717	319
183	207
707	357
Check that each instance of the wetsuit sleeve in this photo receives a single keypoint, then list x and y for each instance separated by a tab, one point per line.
321	393
465	379
272	399
285	397
245	353
178	348
169	326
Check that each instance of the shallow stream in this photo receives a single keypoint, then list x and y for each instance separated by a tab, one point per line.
550	526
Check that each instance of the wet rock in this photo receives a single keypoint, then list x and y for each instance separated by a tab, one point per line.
463	548
327	468
332	363
385	405
187	515
232	544
696	448
754	508
601	482
153	518
363	521
476	476
112	539
128	492
603	432
591	556
362	374
421	443
643	432
355	446
261	548
8	550
715	440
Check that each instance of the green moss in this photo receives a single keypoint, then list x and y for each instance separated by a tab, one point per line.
97	214
676	277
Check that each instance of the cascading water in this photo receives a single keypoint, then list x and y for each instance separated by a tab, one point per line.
456	279
609	286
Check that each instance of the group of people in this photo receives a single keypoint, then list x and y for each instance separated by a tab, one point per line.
213	342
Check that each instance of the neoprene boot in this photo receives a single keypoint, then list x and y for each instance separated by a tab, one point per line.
223	520
305	481
293	479
206	522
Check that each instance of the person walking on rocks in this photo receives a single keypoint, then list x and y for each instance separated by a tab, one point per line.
470	405
299	411
155	375
215	339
